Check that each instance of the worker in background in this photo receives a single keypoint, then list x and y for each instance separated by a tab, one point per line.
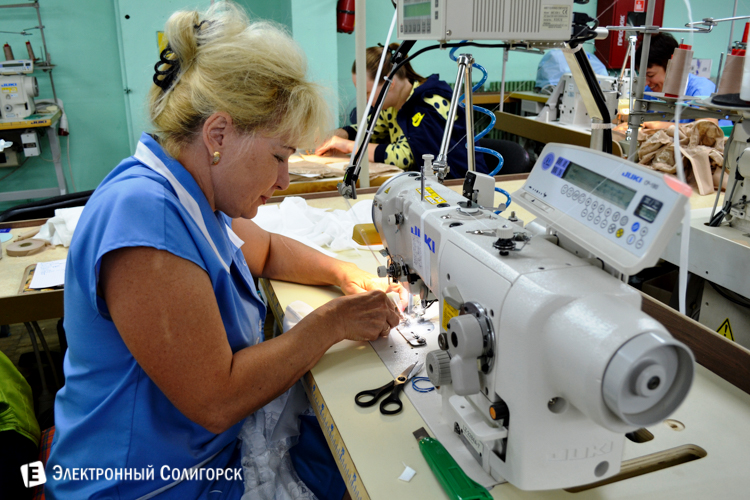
412	122
554	65
166	352
663	46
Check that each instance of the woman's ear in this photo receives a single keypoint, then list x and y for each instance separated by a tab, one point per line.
216	131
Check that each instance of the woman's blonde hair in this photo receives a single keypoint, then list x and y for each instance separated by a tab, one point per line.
254	72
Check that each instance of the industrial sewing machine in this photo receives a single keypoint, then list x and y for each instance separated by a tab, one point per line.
17	91
546	359
566	105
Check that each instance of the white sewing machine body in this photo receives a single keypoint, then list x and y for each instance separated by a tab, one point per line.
17	94
566	105
547	360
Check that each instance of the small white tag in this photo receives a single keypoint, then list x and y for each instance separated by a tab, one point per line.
407	474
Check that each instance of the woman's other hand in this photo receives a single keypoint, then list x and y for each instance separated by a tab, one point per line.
354	280
335	145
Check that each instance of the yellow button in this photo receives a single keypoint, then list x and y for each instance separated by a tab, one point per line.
619	232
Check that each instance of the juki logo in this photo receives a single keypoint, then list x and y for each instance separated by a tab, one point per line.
430	243
632	176
415	231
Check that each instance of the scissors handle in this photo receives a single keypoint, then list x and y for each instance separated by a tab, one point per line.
366	399
392	404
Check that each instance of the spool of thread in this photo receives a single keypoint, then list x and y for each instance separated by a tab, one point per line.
745	88
25	247
731	77
8	52
678	68
30	50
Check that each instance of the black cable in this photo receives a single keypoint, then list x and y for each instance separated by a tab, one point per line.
720	290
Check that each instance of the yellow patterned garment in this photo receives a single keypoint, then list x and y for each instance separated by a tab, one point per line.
388	131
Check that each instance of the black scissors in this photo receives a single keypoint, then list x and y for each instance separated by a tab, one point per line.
369	398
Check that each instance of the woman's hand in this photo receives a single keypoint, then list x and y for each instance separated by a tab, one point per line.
354	280
335	145
359	317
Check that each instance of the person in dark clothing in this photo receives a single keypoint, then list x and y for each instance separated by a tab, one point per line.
411	123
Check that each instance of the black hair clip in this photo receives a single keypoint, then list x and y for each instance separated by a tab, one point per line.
168	74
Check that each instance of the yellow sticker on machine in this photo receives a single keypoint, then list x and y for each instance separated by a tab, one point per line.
448	312
726	329
431	196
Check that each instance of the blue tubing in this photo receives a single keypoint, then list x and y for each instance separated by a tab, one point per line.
506	194
501	160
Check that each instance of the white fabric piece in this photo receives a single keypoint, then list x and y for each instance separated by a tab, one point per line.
59	229
407	474
269	433
326	231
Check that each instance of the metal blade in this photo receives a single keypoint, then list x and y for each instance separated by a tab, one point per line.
420	434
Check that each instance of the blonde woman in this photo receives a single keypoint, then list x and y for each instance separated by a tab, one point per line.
166	355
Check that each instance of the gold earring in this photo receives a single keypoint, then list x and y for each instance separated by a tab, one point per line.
217	158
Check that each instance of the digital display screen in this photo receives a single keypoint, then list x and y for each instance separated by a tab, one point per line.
598	185
648	209
417	10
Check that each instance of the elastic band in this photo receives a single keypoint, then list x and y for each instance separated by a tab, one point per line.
421	389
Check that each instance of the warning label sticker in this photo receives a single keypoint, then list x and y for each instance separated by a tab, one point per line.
726	329
556	17
431	196
449	312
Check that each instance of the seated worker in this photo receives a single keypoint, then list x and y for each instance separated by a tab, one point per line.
166	352
554	65
411	123
663	46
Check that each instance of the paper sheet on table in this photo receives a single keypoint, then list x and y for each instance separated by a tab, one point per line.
48	274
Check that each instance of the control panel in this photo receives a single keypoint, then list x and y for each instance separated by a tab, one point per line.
514	20
621	212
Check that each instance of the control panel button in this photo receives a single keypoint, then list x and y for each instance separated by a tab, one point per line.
644	231
597	220
604	223
582	198
639	244
624	220
594	205
590	217
569	193
564	189
611	228
619	232
588	201
608	212
601	208
635	227
615	216
631	239
576	194
584	213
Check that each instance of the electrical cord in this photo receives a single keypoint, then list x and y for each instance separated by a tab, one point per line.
507	195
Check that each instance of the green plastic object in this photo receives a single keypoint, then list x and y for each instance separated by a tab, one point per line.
727	130
452	478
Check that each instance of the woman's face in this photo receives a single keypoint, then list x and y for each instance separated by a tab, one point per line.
391	99
250	171
655	77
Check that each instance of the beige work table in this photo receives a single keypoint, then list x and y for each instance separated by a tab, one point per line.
35	306
371	449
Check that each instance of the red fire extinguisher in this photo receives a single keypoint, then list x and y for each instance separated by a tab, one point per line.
345	16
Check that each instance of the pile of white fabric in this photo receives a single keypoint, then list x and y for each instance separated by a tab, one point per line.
269	433
58	230
325	230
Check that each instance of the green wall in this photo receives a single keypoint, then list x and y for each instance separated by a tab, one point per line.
99	53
